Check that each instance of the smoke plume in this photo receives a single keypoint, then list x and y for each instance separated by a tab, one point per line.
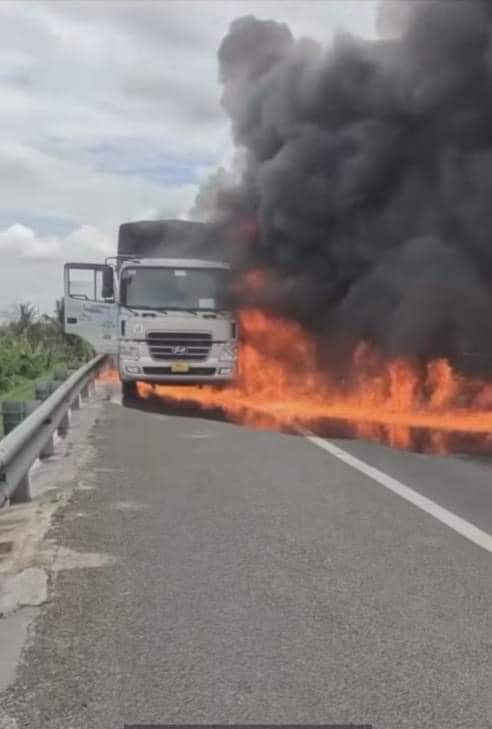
366	193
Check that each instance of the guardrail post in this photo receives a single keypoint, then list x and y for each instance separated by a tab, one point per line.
23	491
76	403
49	449
64	423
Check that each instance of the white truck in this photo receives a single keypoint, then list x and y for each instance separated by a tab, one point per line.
166	320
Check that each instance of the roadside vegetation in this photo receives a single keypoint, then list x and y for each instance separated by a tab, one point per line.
32	345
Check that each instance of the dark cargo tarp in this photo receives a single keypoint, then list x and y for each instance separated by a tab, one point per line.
170	239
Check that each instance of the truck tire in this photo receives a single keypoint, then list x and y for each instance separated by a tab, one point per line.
129	389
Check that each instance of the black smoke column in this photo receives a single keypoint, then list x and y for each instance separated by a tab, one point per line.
368	175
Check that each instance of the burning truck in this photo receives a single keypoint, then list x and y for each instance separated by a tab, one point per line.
357	218
166	320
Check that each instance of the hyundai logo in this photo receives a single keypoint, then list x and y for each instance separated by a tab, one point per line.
179	350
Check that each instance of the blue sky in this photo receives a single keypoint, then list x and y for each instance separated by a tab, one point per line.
111	112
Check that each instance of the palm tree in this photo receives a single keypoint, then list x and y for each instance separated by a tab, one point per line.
25	322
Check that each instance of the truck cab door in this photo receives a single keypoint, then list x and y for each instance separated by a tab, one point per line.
87	314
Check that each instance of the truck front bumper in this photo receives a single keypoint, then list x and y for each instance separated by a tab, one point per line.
209	372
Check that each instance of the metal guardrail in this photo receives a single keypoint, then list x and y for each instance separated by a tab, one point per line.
33	438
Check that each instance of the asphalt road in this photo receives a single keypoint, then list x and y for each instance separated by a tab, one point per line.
213	574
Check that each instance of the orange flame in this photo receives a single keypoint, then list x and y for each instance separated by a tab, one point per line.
281	385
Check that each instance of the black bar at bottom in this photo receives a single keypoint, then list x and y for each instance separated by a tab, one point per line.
248	726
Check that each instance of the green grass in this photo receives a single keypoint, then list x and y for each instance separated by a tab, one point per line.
32	348
25	390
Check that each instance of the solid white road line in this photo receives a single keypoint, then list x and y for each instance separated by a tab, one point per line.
463	527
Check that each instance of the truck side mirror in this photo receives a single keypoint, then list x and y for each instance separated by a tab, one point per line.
108	283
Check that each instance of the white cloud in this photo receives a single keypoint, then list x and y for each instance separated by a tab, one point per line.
32	264
80	243
22	239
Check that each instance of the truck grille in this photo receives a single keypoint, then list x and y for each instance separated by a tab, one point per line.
183	346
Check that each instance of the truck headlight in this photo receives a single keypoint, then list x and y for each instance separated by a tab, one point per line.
229	350
129	350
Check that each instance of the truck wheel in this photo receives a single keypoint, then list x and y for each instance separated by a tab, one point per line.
129	389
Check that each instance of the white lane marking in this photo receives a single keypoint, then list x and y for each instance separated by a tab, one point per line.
463	527
199	436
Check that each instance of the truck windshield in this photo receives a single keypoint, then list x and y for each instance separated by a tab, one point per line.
174	288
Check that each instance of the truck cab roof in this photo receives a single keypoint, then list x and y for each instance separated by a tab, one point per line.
173	263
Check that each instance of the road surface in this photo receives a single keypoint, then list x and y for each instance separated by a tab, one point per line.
207	573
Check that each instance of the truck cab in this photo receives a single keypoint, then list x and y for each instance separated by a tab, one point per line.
165	320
